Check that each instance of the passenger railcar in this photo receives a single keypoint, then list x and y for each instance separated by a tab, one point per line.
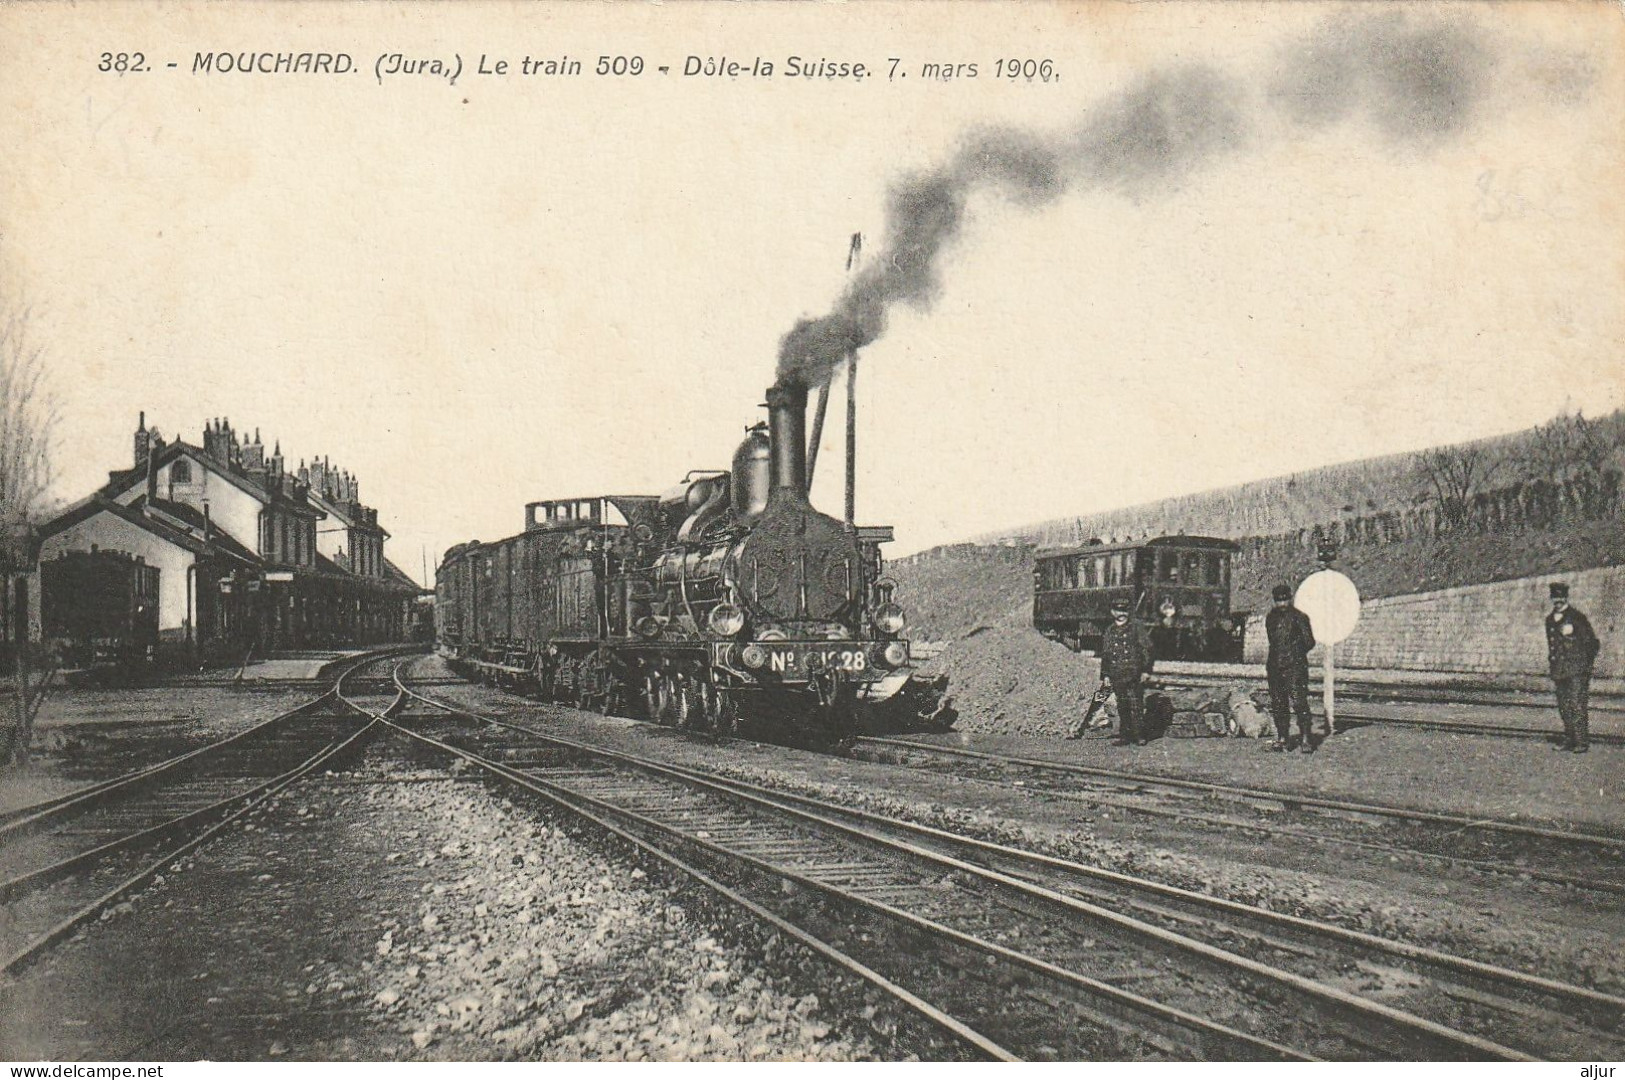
728	594
1179	586
100	609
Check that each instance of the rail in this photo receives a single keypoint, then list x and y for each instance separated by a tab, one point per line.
149	818
769	841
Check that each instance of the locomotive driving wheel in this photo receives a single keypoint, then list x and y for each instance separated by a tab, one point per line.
648	695
721	709
613	699
690	704
667	708
592	686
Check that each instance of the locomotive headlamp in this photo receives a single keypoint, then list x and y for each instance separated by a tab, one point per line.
753	656
726	620
896	654
889	619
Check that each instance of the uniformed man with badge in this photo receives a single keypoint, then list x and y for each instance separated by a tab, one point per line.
1287	666
1125	662
1571	650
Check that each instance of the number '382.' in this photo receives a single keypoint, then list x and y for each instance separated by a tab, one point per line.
119	63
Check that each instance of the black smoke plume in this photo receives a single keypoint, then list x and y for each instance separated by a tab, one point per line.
1416	81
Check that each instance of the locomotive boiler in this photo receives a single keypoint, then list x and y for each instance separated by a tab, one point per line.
729	594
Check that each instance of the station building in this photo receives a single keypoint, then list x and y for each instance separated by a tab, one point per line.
252	557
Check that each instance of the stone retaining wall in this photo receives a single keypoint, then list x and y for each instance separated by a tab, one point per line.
1492	629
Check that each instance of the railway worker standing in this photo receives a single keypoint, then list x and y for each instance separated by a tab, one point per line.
1571	650
1126	661
1291	638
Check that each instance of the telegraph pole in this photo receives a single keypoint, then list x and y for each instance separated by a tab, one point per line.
852	405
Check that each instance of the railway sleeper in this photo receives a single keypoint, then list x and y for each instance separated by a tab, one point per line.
1214	1042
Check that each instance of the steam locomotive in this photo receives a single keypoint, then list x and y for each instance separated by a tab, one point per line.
729	595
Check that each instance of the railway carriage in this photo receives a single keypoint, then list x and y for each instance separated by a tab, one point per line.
728	594
1177	585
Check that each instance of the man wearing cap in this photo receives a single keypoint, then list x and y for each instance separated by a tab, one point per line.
1571	650
1125	662
1290	638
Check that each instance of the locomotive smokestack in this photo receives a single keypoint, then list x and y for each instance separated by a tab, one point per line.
787	434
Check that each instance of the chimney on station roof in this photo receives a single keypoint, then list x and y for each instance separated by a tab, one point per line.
141	446
218	441
152	476
253	452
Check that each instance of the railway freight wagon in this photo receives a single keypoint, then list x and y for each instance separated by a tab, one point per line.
100	608
1177	585
728	595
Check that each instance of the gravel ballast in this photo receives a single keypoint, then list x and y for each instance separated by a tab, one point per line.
530	943
391	912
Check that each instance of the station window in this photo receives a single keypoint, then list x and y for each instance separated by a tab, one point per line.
180	472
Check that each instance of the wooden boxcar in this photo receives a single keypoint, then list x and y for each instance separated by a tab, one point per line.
100	608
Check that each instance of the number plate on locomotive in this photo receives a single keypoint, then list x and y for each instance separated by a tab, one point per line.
800	659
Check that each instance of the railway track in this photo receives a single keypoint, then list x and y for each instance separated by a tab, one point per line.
1011	965
1348	719
1556	1019
65	861
1370	704
1352	687
1488	845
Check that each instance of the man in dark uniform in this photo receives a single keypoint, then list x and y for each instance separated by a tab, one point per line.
1290	638
1571	650
1125	663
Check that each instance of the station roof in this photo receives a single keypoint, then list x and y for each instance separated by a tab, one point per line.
177	533
1199	543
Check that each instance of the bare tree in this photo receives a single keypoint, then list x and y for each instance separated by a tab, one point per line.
1569	446
1455	474
28	417
1578	454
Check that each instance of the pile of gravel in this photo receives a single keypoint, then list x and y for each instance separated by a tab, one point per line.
1014	681
531	944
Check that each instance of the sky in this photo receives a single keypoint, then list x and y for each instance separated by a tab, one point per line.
1229	241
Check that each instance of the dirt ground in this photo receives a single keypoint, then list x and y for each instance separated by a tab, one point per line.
84	735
